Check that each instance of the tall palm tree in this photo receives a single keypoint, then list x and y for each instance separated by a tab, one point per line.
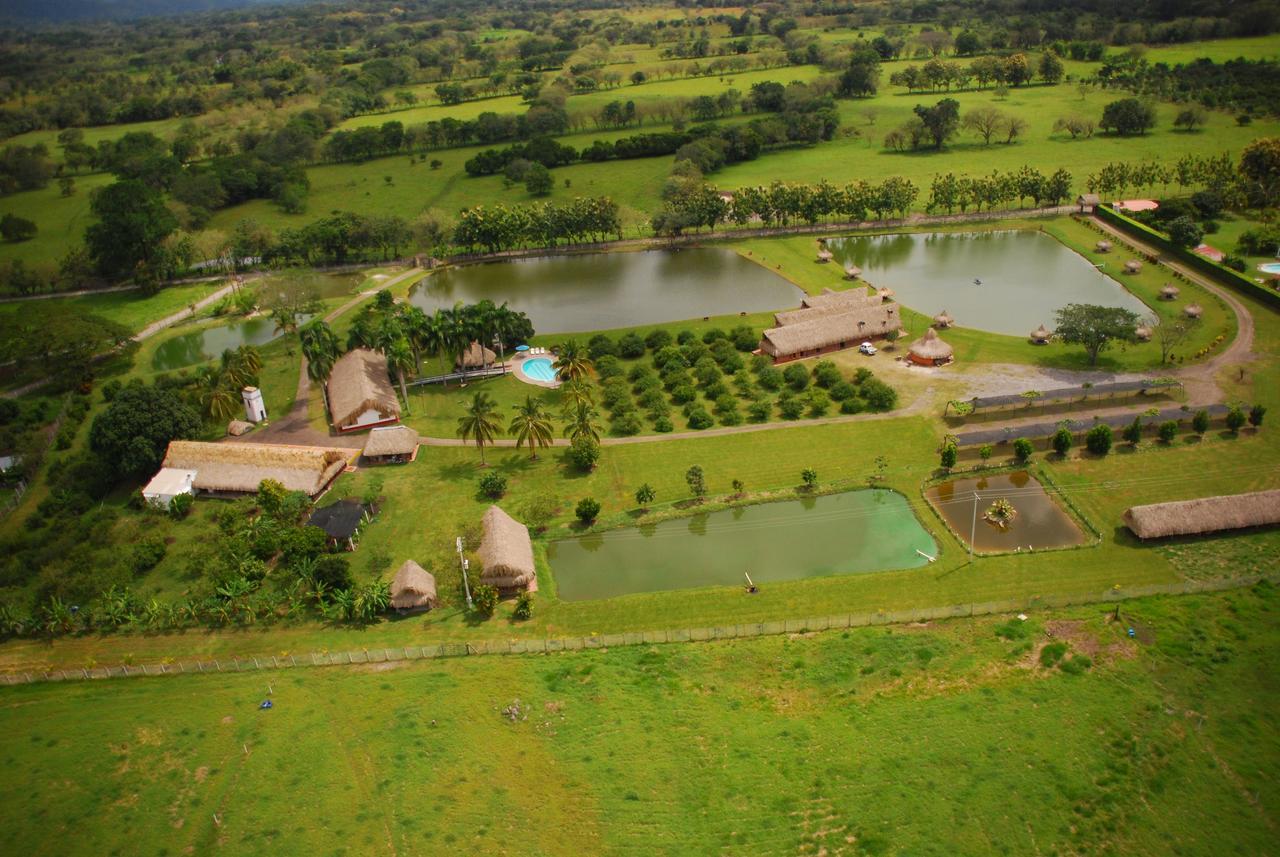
573	363
457	335
217	400
531	426
400	358
576	393
480	422
249	358
581	422
320	349
233	372
415	323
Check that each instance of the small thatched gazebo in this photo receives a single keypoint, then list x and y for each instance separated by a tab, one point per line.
1204	515
1142	333
930	350
825	255
943	319
1133	266
1103	246
1088	201
1041	335
506	553
885	294
852	271
1193	310
1169	292
414	589
476	357
391	445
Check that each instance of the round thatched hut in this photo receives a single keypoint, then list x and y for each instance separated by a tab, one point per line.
1142	333
1193	310
413	589
943	319
852	272
1133	266
930	350
825	255
1040	336
506	553
1103	247
476	357
885	294
1169	292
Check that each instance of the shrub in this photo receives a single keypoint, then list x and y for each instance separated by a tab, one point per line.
1235	420
713	334
819	402
759	362
663	425
539	511
760	411
652	399
657	339
608	367
852	405
645	495
493	485
640	373
484	599
770	378
180	506
699	419
110	389
694	351
790	407
716	390
524	606
601	346
986	451
683	394
1256	413
1062	441
809	477
796	376
1052	653
1133	431
879	395
668	356
862	375
631	346
1199	423
826	374
1022	449
1014	629
696	480
949	455
731	418
587	510
584	453
146	554
744	338
1076	664
730	362
1098	440
647	382
676	378
685	336
1168	431
627	424
843	391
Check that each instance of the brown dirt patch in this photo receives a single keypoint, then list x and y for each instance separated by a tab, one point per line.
379	667
202	773
228	720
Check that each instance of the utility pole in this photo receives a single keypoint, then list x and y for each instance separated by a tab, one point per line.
462	562
973	528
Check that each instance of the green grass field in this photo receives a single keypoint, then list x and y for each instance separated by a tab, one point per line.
132	309
836	743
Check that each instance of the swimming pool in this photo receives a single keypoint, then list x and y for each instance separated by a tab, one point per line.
1270	268
539	369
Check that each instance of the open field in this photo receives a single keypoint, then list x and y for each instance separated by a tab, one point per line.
835	743
131	309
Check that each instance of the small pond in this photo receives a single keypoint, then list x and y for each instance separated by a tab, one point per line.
198	346
1039	521
599	291
1008	281
849	533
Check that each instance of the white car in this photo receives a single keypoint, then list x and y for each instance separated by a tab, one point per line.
867	348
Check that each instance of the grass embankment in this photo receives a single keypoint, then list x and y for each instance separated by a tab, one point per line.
838	741
131	309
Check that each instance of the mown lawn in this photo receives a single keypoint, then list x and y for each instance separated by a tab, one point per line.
837	743
132	309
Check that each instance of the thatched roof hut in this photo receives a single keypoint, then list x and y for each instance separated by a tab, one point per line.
1088	201
885	294
475	357
391	443
1169	292
852	271
413	588
1142	333
869	305
1193	310
505	552
235	428
930	350
238	468
1204	515
825	255
1041	335
943	319
830	299
804	333
1103	246
1133	266
360	392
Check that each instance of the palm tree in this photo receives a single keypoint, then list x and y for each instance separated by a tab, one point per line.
415	323
480	422
581	422
576	393
572	363
531	426
219	402
320	349
399	358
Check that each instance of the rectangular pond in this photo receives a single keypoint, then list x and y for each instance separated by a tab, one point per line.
599	291
1008	281
1039	521
849	533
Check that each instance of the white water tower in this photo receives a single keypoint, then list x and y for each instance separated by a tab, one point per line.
255	410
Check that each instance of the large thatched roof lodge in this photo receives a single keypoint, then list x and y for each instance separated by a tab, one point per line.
230	469
413	589
1204	515
506	553
827	322
360	392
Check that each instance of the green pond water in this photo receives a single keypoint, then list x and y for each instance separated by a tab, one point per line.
849	533
199	346
1008	281
598	291
1039	523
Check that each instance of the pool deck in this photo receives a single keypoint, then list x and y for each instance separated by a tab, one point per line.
519	372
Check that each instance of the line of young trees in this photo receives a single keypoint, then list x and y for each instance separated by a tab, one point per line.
546	224
1012	70
1122	177
949	191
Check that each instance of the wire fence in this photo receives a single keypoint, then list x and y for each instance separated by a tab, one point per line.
635	638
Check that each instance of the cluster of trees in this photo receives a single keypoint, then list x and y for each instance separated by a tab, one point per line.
60	343
949	191
547	224
1012	70
1249	87
1124	177
933	126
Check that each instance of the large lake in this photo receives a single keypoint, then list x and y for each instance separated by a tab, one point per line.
853	532
1004	282
599	291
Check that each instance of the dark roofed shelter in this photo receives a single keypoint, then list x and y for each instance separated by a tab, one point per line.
413	589
340	521
1204	515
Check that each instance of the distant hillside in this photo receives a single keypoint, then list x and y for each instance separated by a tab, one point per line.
75	10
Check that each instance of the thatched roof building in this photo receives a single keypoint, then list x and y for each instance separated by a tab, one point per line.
805	333
1142	333
930	350
825	255
505	552
413	589
238	468
360	392
1103	246
943	319
1204	515
1041	335
885	294
832	299
1088	201
1133	266
391	444
1193	310
475	357
1170	292
852	271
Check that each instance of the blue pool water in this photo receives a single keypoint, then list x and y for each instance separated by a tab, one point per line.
1270	268
539	369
